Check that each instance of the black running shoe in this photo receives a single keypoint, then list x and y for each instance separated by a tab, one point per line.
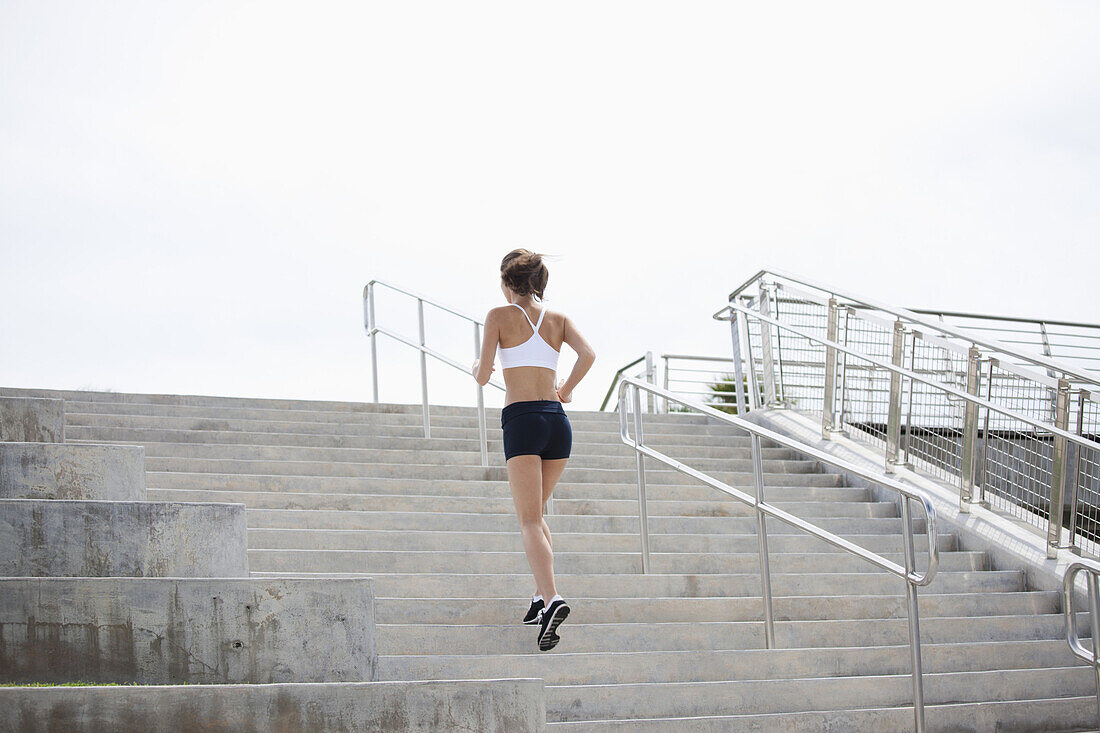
551	618
532	616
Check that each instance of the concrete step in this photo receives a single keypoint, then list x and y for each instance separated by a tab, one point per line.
611	456
733	472
646	700
455	541
485	611
381	561
1025	715
32	420
592	420
187	630
122	538
592	443
458	505
804	490
63	471
517	639
506	522
487	706
518	586
742	664
323	435
461	428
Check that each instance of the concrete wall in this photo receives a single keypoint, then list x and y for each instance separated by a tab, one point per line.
65	471
31	420
169	631
122	538
495	706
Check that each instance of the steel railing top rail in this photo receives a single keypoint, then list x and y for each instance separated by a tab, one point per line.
995	346
418	296
909	374
431	352
920	579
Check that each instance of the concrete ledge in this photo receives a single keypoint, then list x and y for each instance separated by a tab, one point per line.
170	631
63	471
32	420
122	538
486	706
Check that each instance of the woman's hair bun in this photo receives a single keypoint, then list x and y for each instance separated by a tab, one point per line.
523	272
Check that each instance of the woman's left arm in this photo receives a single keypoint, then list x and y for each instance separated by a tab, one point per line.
483	366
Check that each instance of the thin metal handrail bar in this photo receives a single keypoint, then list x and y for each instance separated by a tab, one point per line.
870	315
615	380
695	357
772	511
763	510
1045	362
424	298
373	329
433	353
1069	583
953	391
1013	319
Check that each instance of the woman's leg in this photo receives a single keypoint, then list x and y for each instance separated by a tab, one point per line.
551	472
525	479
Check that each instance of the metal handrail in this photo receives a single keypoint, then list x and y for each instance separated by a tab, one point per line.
1069	582
908	494
1034	359
619	375
650	370
1062	438
373	329
902	371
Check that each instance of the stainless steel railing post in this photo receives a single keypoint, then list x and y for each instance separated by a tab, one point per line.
643	514
423	369
665	379
1058	471
750	362
766	348
738	370
762	536
893	418
970	431
1094	626
829	399
1075	474
651	377
482	429
914	615
371	316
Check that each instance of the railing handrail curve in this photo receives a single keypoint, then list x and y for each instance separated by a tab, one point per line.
615	380
920	579
994	346
418	296
763	510
1069	585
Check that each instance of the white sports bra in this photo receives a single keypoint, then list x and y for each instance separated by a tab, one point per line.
532	352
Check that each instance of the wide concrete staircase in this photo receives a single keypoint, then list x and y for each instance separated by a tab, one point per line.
346	489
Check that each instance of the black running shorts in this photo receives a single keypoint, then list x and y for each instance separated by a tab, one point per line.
536	428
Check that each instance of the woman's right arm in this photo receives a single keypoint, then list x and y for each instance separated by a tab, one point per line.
585	356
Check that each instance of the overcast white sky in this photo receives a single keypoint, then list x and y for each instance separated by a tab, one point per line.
193	194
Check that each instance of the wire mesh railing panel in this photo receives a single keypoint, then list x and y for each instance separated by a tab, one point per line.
864	387
801	361
1085	472
933	420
